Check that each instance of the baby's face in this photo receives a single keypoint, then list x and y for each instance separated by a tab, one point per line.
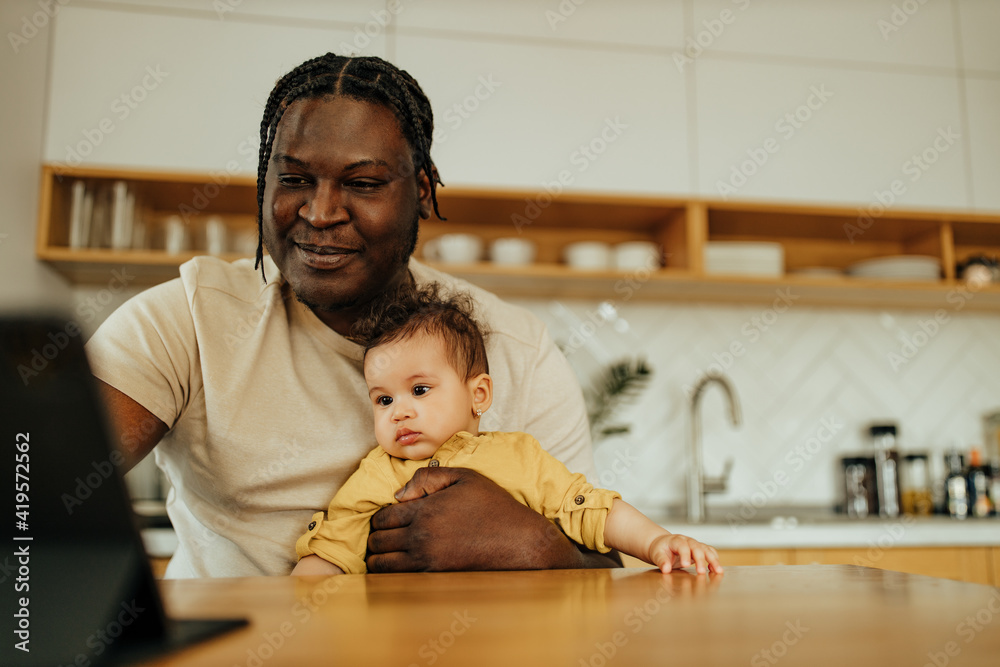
419	399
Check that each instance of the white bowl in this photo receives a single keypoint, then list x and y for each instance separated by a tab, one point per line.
634	255
745	258
588	255
898	267
512	251
454	249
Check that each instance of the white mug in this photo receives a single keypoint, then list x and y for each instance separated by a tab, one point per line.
512	251
588	255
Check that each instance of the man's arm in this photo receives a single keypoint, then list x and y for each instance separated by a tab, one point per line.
428	530
136	429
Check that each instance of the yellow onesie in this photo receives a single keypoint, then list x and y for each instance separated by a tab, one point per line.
514	461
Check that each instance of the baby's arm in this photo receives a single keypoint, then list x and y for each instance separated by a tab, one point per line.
313	564
630	531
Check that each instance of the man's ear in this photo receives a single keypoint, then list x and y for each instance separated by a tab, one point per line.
482	392
424	192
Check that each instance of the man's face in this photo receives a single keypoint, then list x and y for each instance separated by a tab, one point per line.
341	204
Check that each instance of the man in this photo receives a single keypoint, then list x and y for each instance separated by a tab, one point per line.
251	391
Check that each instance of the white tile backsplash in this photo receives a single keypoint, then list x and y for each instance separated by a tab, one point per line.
809	386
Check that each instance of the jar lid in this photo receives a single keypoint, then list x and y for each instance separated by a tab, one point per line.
882	429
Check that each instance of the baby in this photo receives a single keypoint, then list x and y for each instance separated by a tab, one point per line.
428	379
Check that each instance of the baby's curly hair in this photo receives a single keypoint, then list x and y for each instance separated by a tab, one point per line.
428	310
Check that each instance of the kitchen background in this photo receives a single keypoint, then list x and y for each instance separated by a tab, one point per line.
849	91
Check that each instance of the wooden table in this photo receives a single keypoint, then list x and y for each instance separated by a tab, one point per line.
761	616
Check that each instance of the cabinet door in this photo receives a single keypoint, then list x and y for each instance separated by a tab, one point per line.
960	563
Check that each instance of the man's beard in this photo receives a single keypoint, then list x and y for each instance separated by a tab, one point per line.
400	260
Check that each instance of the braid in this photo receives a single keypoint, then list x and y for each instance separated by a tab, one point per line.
363	78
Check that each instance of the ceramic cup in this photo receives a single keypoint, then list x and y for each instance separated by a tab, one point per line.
589	255
175	235
635	255
512	252
454	249
216	236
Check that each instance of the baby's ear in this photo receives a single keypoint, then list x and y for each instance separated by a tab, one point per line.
481	387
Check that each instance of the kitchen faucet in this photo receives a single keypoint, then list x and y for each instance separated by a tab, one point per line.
697	484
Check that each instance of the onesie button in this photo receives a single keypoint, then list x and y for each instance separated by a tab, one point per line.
312	524
579	500
434	463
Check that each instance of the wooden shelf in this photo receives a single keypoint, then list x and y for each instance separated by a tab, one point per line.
816	235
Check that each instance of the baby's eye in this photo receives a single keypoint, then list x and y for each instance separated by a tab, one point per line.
383	400
420	390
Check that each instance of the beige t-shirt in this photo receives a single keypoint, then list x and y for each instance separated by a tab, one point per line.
268	408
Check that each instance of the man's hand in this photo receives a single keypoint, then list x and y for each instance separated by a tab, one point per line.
452	519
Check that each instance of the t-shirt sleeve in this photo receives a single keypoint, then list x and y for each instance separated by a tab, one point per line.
147	349
341	536
558	415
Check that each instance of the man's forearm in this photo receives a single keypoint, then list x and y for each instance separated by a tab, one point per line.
595	559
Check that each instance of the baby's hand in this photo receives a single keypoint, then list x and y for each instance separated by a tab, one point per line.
676	551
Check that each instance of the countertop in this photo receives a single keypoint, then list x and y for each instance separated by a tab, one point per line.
812	527
796	615
791	528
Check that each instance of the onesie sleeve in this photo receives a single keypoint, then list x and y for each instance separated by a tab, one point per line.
341	535
564	497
